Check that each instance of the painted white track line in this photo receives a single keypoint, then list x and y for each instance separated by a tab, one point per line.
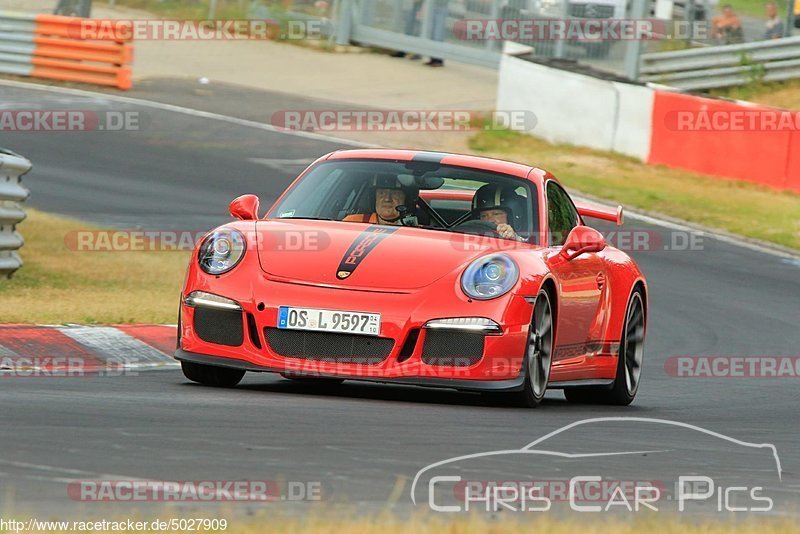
185	111
683	226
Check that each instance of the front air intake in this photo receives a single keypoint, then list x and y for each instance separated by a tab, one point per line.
223	327
452	348
329	347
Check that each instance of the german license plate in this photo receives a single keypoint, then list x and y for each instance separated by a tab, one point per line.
345	322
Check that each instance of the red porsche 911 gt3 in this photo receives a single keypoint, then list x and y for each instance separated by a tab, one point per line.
419	268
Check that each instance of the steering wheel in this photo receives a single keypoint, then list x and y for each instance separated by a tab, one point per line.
477	227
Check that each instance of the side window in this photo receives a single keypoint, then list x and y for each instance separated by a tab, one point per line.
561	214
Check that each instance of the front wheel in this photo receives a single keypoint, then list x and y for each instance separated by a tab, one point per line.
629	363
538	357
210	375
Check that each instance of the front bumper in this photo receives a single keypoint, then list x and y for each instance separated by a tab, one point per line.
403	316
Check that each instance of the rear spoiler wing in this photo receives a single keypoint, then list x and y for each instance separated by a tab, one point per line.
606	214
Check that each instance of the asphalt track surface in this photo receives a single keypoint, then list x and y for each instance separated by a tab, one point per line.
366	442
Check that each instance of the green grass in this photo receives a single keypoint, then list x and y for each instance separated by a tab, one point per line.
734	206
753	8
784	95
199	9
189	9
227	10
58	285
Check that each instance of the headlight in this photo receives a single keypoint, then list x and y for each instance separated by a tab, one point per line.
221	251
489	277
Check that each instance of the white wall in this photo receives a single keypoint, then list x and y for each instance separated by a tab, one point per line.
578	109
634	125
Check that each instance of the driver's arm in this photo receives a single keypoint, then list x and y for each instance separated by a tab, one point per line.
506	231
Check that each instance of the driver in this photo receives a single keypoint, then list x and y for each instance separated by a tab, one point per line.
501	206
393	202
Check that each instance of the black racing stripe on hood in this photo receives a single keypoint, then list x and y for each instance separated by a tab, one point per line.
361	247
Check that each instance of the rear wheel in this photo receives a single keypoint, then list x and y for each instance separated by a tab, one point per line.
629	363
210	375
538	358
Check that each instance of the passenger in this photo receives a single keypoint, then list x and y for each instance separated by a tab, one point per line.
501	206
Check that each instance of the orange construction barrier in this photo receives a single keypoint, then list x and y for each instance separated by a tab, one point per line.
724	138
62	53
793	163
65	48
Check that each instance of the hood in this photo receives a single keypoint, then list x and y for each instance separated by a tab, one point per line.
363	256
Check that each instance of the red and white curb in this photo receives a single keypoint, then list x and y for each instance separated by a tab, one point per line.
30	350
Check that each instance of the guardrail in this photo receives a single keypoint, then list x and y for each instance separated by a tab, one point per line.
54	47
724	66
12	168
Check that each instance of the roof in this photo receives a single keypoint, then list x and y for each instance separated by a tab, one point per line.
462	160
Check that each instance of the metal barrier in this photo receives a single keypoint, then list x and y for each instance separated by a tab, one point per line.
430	28
12	167
54	47
434	28
724	66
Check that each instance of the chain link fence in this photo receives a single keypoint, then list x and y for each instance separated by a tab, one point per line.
686	23
437	28
445	21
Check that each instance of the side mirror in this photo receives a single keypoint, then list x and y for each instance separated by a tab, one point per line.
580	240
245	207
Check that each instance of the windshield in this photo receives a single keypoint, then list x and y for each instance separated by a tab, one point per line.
420	194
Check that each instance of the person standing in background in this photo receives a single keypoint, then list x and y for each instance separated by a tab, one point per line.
727	27
796	14
774	23
412	25
439	13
